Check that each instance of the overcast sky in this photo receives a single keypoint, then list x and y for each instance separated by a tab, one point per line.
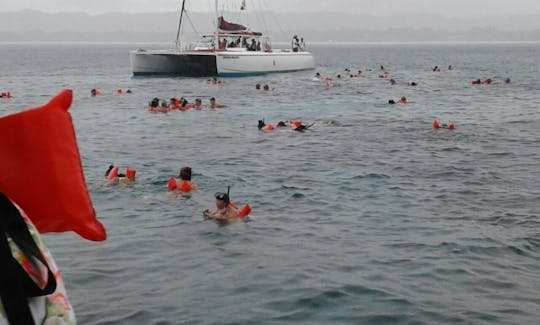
452	8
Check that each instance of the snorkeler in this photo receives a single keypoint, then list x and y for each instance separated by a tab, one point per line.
224	210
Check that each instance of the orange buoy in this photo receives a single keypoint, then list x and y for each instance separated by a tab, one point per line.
57	200
113	173
119	91
130	173
449	126
185	186
246	209
172	183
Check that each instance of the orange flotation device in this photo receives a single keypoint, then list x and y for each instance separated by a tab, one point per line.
242	213
475	82
113	173
175	103
185	186
119	91
130	173
486	81
438	125
5	95
402	101
54	193
246	209
268	127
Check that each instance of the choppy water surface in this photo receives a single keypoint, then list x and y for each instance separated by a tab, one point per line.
372	216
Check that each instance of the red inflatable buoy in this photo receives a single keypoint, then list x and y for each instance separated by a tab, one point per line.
449	126
246	209
171	185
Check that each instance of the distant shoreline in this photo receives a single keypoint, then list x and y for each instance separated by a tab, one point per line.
277	44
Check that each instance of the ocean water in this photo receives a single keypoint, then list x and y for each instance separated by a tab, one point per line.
370	217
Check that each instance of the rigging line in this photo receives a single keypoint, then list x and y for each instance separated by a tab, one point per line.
274	17
265	27
188	17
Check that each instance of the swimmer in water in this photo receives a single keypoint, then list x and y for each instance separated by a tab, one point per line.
198	104
392	82
213	104
224	210
184	180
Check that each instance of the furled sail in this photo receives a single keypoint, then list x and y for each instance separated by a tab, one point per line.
230	27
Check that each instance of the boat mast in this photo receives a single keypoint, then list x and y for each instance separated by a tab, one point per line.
180	25
217	23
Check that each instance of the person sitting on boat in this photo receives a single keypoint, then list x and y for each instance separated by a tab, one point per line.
213	104
223	44
224	210
253	45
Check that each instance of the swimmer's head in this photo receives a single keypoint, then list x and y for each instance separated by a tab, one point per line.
185	173
224	197
391	101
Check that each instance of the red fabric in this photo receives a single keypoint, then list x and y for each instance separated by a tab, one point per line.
225	25
41	171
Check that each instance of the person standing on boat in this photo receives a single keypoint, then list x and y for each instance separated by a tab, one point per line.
295	44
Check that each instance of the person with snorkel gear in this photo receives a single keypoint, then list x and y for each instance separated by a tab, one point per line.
224	210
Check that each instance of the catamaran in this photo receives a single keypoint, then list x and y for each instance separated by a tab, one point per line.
231	50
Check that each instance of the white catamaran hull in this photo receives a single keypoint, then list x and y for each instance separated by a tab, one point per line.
254	63
171	62
218	63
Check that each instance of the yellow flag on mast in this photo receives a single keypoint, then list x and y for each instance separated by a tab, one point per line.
243	5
